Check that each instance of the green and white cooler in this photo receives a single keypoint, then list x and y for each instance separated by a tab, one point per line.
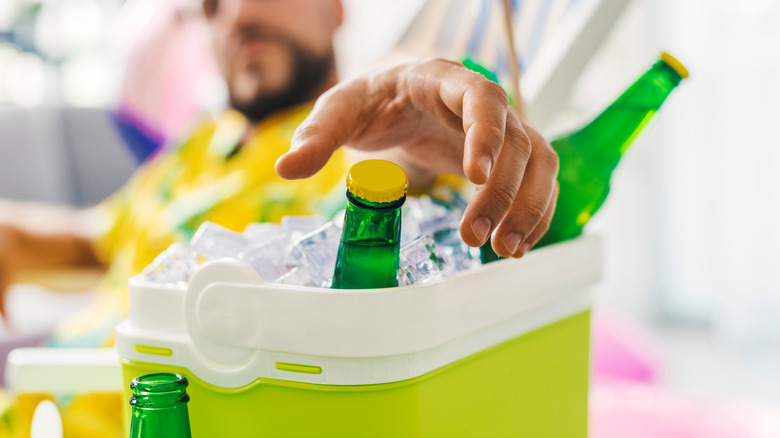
499	351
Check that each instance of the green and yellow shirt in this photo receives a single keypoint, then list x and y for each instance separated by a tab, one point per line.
206	178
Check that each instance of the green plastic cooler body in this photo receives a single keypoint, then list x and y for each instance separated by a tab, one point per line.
508	359
497	392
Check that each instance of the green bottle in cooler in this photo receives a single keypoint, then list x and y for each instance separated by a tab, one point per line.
368	254
159	406
590	155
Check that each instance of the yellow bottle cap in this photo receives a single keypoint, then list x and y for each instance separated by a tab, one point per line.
672	62
377	181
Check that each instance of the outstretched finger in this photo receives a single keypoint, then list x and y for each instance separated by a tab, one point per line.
335	118
456	96
541	227
532	203
485	107
493	199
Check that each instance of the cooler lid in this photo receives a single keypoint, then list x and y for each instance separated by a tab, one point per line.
228	319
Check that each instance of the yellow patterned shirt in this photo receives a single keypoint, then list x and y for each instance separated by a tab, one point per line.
207	178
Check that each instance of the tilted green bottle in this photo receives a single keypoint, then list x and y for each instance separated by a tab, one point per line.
371	236
159	406
588	156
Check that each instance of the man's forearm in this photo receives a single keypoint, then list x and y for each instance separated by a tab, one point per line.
41	236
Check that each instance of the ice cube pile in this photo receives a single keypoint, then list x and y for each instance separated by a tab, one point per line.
302	250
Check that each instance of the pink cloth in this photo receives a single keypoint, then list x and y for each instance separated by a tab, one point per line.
622	349
626	410
166	72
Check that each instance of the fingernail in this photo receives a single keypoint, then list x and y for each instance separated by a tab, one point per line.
512	241
481	228
485	163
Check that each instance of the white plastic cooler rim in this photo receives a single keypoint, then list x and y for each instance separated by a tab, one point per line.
229	329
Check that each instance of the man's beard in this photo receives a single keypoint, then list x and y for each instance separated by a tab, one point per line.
309	74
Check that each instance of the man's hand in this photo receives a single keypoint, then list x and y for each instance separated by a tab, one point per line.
34	237
8	247
445	118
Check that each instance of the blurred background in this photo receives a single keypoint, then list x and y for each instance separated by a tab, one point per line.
88	88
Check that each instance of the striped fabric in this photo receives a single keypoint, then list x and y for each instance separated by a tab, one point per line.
475	28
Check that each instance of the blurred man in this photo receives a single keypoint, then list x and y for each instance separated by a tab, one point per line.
277	155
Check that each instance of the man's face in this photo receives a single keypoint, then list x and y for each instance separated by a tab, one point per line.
273	53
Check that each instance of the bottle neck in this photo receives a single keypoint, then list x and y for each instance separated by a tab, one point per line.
652	88
372	221
619	124
168	422
368	255
159	406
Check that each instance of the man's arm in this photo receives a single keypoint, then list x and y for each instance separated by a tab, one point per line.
34	237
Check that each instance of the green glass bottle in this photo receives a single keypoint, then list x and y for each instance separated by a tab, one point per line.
159	406
589	156
371	236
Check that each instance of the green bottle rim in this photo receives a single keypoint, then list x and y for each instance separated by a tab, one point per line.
159	390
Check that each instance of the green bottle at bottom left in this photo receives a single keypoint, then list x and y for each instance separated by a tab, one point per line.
159	406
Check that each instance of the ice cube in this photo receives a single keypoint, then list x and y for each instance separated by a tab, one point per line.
259	232
175	265
271	259
215	241
415	212
446	222
419	262
297	276
423	207
410	228
451	247
317	252
297	226
423	216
